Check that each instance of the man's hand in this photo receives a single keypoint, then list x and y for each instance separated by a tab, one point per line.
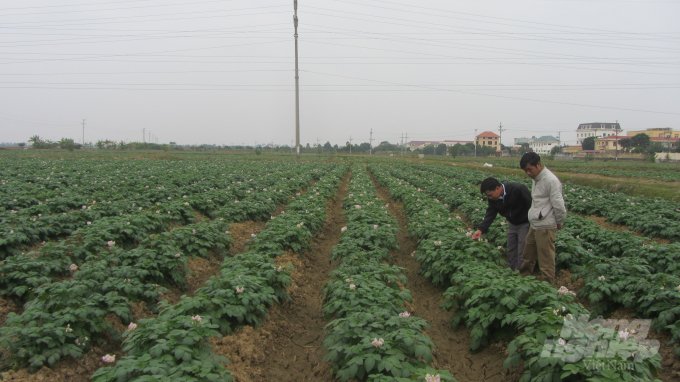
477	235
559	227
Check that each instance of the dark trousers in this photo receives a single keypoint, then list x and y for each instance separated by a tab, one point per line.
517	235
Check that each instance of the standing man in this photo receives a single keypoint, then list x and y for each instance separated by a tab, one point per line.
512	201
546	216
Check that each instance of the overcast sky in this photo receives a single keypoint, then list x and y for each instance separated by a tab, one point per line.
222	72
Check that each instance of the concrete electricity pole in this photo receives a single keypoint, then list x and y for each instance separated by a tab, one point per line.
475	142
83	133
616	128
406	143
297	85
144	135
350	144
500	137
370	144
402	144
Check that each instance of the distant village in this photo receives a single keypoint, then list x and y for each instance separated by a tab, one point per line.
592	138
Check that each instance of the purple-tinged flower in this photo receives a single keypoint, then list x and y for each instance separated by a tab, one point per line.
109	358
132	326
88	223
561	342
624	335
405	315
352	286
177	255
196	318
378	342
111	243
349	280
73	267
375	226
343	229
601	278
240	289
252	235
68	328
358	207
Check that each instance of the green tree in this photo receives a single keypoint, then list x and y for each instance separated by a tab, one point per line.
441	149
555	150
640	140
21	144
429	150
626	143
588	143
67	144
453	150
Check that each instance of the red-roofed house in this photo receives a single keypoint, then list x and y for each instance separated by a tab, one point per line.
488	138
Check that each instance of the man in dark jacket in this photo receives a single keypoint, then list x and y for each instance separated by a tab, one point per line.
512	201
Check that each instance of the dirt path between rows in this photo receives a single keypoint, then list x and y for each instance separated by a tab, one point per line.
452	351
288	347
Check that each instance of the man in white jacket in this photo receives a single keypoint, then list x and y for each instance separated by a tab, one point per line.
546	215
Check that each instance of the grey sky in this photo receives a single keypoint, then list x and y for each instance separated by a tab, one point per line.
222	71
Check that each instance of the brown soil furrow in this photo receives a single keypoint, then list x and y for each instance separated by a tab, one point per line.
288	347
453	345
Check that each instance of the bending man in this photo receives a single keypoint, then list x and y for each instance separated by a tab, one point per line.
512	201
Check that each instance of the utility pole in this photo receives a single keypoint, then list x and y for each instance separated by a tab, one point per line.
370	144
406	144
350	144
149	136
297	85
83	143
144	135
291	146
402	144
500	137
616	128
475	142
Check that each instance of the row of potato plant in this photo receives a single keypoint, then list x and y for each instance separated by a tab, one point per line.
21	272
113	275
371	335
496	302
619	268
25	221
653	217
175	345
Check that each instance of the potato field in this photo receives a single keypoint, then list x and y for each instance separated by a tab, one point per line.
334	269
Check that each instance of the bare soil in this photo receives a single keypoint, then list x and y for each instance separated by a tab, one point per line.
288	347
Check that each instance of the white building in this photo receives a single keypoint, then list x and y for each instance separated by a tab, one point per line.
597	130
544	144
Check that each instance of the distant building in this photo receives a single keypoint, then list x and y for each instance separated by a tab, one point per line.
573	149
596	129
544	144
663	132
519	141
666	141
488	138
607	143
420	144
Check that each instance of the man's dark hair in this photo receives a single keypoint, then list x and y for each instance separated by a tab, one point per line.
529	158
489	184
